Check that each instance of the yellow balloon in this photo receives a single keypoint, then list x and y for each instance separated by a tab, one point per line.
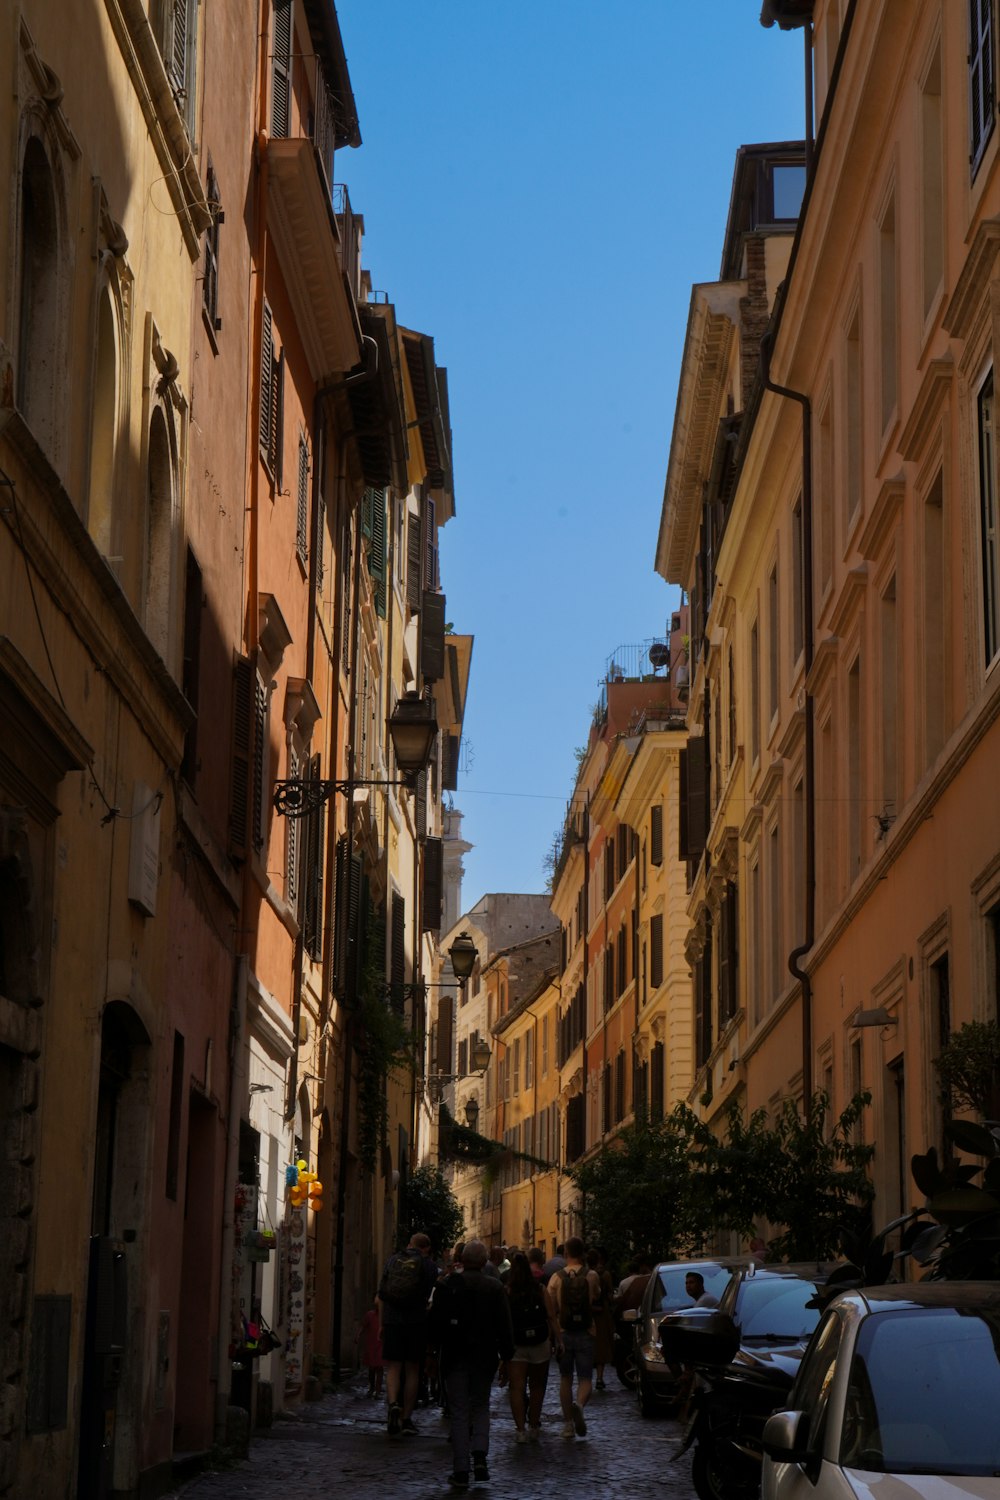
302	1165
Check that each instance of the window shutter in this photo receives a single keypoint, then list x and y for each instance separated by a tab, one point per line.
266	383
366	512
703	1003
397	952
729	952
420	811
348	899
656	834
313	923
281	69
277	454
450	758
414	579
302	501
656	1082
319	536
445	1024
431	560
293	830
433	893
377	552
981	100
260	760
242	741
432	614
175	44
656	951
696	801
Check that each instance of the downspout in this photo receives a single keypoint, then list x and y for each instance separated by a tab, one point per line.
345	1119
797	953
237	1090
586	975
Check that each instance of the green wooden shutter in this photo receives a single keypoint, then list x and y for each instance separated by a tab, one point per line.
432	613
414	558
302	502
377	553
397	952
656	834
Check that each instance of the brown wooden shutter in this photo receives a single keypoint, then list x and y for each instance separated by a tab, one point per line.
696	808
267	384
656	1082
397	951
432	612
728	955
377	553
302	502
242	741
420	810
433	892
703	1003
656	834
445	1035
656	951
414	557
281	69
315	858
348	902
277	454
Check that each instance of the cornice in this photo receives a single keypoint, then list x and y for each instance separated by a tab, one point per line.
882	518
973	280
933	390
851	596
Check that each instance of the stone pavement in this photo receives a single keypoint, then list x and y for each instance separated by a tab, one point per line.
338	1446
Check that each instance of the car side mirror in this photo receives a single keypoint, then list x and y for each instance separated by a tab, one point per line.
630	1315
786	1436
699	1336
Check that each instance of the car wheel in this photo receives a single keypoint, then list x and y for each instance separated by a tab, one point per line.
648	1404
717	1481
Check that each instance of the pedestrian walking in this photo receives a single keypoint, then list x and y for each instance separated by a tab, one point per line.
572	1293
403	1293
554	1263
534	1331
470	1328
369	1342
604	1327
536	1259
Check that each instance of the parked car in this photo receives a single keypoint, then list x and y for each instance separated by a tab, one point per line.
899	1389
747	1352
655	1383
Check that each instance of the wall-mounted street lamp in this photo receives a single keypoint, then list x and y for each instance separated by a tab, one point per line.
412	729
479	1061
472	1111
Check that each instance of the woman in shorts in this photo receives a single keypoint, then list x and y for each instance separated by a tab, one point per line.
533	1335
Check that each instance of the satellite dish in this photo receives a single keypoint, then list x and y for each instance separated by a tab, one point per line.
659	654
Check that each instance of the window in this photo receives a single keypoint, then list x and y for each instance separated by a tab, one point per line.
731	703
852	487
888	315
302	502
281	69
657	1068
210	280
656	834
753	938
728	955
823	510
261	762
773	644
272	380
931	182
656	951
191	664
178	29
932	617
103	430
545	1045
797	572
38	317
774	915
754	692
981	90
939	973
890	700
855	806
989	521
158	570
703	1028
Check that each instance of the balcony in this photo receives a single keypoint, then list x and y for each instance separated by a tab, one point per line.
307	237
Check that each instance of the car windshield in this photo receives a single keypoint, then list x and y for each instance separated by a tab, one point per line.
671	1294
775	1308
923	1393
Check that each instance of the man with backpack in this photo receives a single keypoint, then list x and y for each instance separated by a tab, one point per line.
572	1292
403	1294
470	1327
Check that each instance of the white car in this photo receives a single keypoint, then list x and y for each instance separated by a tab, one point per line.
897	1398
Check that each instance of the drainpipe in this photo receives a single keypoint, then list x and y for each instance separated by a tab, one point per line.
236	1094
797	953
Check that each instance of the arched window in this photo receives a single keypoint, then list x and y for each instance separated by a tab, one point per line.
103	428
37	340
159	527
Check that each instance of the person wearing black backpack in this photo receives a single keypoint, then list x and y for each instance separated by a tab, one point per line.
572	1292
403	1295
471	1330
534	1333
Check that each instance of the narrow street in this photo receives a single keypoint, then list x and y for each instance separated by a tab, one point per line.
339	1445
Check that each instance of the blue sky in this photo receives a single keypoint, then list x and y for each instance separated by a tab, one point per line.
542	182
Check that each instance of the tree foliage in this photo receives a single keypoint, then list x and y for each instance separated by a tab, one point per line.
430	1207
969	1069
673	1187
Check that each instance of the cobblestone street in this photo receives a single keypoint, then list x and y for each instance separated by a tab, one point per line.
339	1446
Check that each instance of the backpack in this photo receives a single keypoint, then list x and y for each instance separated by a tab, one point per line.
403	1284
529	1319
575	1315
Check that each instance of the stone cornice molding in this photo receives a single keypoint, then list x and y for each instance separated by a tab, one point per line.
933	391
882	517
851	596
974	279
